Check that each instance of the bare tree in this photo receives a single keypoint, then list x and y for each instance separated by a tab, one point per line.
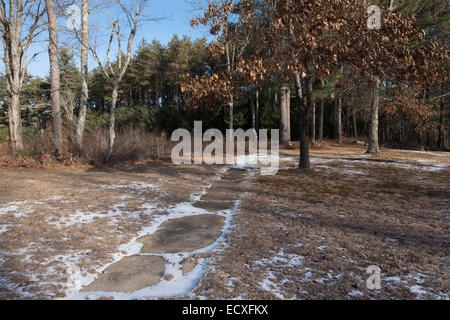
20	25
55	77
115	73
84	74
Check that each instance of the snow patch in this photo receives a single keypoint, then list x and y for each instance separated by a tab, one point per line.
271	283
7	210
179	284
4	228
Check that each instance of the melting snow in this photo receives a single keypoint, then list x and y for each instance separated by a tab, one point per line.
3	228
138	187
180	284
281	259
8	210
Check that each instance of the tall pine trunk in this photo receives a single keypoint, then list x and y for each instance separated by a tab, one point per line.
338	119
55	77
373	129
253	109
355	128
231	120
441	143
305	161
288	113
84	75
321	111
284	115
313	121
257	111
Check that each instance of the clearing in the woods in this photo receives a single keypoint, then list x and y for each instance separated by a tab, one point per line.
155	230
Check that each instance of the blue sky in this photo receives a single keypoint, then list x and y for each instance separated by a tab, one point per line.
175	19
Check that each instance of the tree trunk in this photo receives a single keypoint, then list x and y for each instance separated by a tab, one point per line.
15	122
84	75
116	76
253	108
284	115
257	111
305	162
55	78
231	124
19	26
441	143
373	130
338	119
112	123
444	128
313	121
321	111
288	113
355	128
348	124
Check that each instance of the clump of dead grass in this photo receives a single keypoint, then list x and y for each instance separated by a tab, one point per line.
131	144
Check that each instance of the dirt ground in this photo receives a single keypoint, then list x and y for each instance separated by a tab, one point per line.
295	235
52	220
313	235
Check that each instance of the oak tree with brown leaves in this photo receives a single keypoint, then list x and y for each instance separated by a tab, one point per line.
307	40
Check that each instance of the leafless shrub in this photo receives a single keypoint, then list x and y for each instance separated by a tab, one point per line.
132	144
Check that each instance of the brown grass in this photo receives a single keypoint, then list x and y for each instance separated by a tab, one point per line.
39	229
131	144
340	218
340	223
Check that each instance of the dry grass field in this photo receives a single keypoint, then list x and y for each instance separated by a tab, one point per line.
294	235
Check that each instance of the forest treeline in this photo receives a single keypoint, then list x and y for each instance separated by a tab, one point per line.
313	69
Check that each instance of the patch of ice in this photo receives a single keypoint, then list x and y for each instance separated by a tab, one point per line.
4	228
356	293
7	284
280	260
421	165
7	210
54	198
393	279
115	211
79	218
417	290
269	285
20	214
353	172
139	187
198	195
439	154
266	162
